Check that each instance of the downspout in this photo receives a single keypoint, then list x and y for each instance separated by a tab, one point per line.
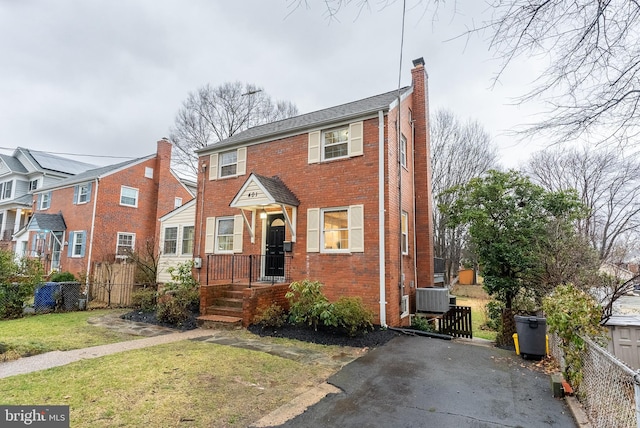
413	180
204	181
399	155
93	224
381	219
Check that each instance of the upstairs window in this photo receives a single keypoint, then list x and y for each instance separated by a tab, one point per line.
228	163
45	201
5	189
128	196
82	193
148	172
403	151
404	226
170	245
33	185
126	245
177	202
335	143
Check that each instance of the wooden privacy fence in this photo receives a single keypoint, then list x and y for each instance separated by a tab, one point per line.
117	278
456	322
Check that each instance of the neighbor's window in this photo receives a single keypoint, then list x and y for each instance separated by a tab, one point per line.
405	232
33	184
228	163
128	196
5	189
148	172
177	202
224	235
170	240
335	143
83	193
126	242
45	201
335	229
403	151
187	239
78	244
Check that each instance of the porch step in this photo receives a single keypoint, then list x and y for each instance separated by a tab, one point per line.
229	302
219	322
228	311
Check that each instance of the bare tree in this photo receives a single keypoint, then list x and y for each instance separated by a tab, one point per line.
146	258
459	152
607	183
212	114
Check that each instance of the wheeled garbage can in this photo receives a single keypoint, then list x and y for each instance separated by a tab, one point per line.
532	336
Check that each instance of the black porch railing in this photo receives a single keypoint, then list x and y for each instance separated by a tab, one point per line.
250	268
456	322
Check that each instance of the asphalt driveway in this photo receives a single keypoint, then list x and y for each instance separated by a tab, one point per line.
424	382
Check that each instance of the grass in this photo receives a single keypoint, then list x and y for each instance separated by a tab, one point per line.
186	384
50	332
478	317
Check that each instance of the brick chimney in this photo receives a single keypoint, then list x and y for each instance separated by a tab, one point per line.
422	173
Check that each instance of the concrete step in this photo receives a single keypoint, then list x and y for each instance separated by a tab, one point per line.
220	322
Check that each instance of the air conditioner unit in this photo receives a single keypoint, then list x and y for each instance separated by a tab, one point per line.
433	300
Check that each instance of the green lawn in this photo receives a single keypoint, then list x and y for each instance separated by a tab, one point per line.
49	332
478	316
186	384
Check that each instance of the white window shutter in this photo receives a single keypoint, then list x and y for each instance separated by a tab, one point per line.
213	166
241	168
355	139
238	227
210	235
314	147
313	230
356	228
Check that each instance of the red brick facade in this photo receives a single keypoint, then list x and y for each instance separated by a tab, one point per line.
345	182
102	217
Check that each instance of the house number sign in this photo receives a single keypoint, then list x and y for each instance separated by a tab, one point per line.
252	195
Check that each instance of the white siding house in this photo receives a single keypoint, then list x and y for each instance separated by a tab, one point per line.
176	239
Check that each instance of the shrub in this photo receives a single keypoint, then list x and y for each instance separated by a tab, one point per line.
493	311
350	314
179	306
421	323
573	314
63	277
308	305
145	299
272	316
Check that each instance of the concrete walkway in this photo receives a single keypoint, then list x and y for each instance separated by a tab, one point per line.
157	335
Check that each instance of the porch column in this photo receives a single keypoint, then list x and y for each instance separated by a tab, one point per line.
3	226
18	222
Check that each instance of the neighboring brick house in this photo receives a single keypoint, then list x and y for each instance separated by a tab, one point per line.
101	214
338	195
20	174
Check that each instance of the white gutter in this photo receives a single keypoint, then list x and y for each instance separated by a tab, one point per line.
93	226
381	219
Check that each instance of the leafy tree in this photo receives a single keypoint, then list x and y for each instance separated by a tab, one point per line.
459	152
211	114
508	219
18	280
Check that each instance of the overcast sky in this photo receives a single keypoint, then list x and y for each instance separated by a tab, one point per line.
106	78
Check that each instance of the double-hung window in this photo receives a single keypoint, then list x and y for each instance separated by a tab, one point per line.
128	196
77	241
187	240
403	151
81	193
405	232
45	201
335	143
170	245
33	185
228	163
126	244
5	189
335	229
224	235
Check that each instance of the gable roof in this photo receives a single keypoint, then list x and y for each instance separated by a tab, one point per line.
310	120
270	190
13	164
93	174
48	222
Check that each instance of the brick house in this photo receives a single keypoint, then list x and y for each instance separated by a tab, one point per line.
341	195
20	175
100	214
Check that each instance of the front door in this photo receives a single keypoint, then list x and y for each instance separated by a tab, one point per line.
274	257
56	246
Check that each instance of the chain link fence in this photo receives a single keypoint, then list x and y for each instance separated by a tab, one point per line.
609	392
47	297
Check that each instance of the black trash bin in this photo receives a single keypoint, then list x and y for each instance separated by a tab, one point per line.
70	295
532	336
